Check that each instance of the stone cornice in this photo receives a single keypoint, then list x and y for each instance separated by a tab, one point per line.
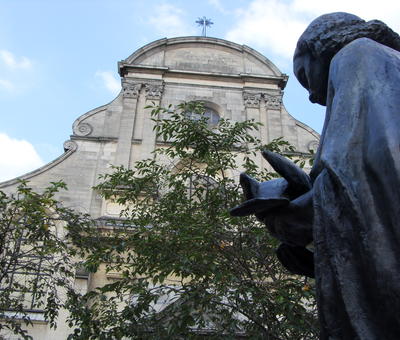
124	68
280	81
102	139
95	138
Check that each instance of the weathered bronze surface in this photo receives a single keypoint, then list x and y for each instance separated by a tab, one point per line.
351	210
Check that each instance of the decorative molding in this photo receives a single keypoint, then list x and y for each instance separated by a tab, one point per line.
303	126
252	99
154	91
273	102
313	145
88	114
83	129
70	145
94	138
130	89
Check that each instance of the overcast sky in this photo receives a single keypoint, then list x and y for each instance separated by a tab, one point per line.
58	59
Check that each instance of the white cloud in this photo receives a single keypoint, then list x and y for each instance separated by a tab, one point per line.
168	21
218	6
276	25
6	85
13	62
387	11
17	157
14	69
110	82
269	24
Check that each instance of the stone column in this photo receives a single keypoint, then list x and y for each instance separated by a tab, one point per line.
271	120
130	95
153	93
264	133
252	101
289	127
274	122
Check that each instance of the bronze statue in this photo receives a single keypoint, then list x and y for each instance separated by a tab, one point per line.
350	207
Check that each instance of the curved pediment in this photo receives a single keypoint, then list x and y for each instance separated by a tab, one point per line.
201	54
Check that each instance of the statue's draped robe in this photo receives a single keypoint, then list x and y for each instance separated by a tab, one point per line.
356	178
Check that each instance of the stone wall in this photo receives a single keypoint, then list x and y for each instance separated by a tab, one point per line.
233	80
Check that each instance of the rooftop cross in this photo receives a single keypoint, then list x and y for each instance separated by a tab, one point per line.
204	22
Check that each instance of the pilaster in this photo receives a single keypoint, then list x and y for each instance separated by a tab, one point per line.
273	107
153	91
130	94
252	103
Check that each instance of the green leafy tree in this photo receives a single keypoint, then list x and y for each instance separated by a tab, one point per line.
188	269
36	255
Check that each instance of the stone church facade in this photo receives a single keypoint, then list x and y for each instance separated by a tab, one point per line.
233	81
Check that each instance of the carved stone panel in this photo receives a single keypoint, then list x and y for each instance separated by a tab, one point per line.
83	129
154	91
70	145
313	145
273	102
252	99
130	89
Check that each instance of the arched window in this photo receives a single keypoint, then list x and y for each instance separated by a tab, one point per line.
202	183
210	114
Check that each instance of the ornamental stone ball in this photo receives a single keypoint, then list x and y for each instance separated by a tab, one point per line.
351	207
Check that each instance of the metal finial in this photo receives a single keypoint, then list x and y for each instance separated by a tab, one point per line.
204	22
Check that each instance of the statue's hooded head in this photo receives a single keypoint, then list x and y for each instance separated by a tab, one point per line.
323	38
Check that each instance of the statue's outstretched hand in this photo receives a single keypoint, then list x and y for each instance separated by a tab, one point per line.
291	224
285	206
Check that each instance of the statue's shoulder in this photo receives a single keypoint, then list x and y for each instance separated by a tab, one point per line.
361	54
365	48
